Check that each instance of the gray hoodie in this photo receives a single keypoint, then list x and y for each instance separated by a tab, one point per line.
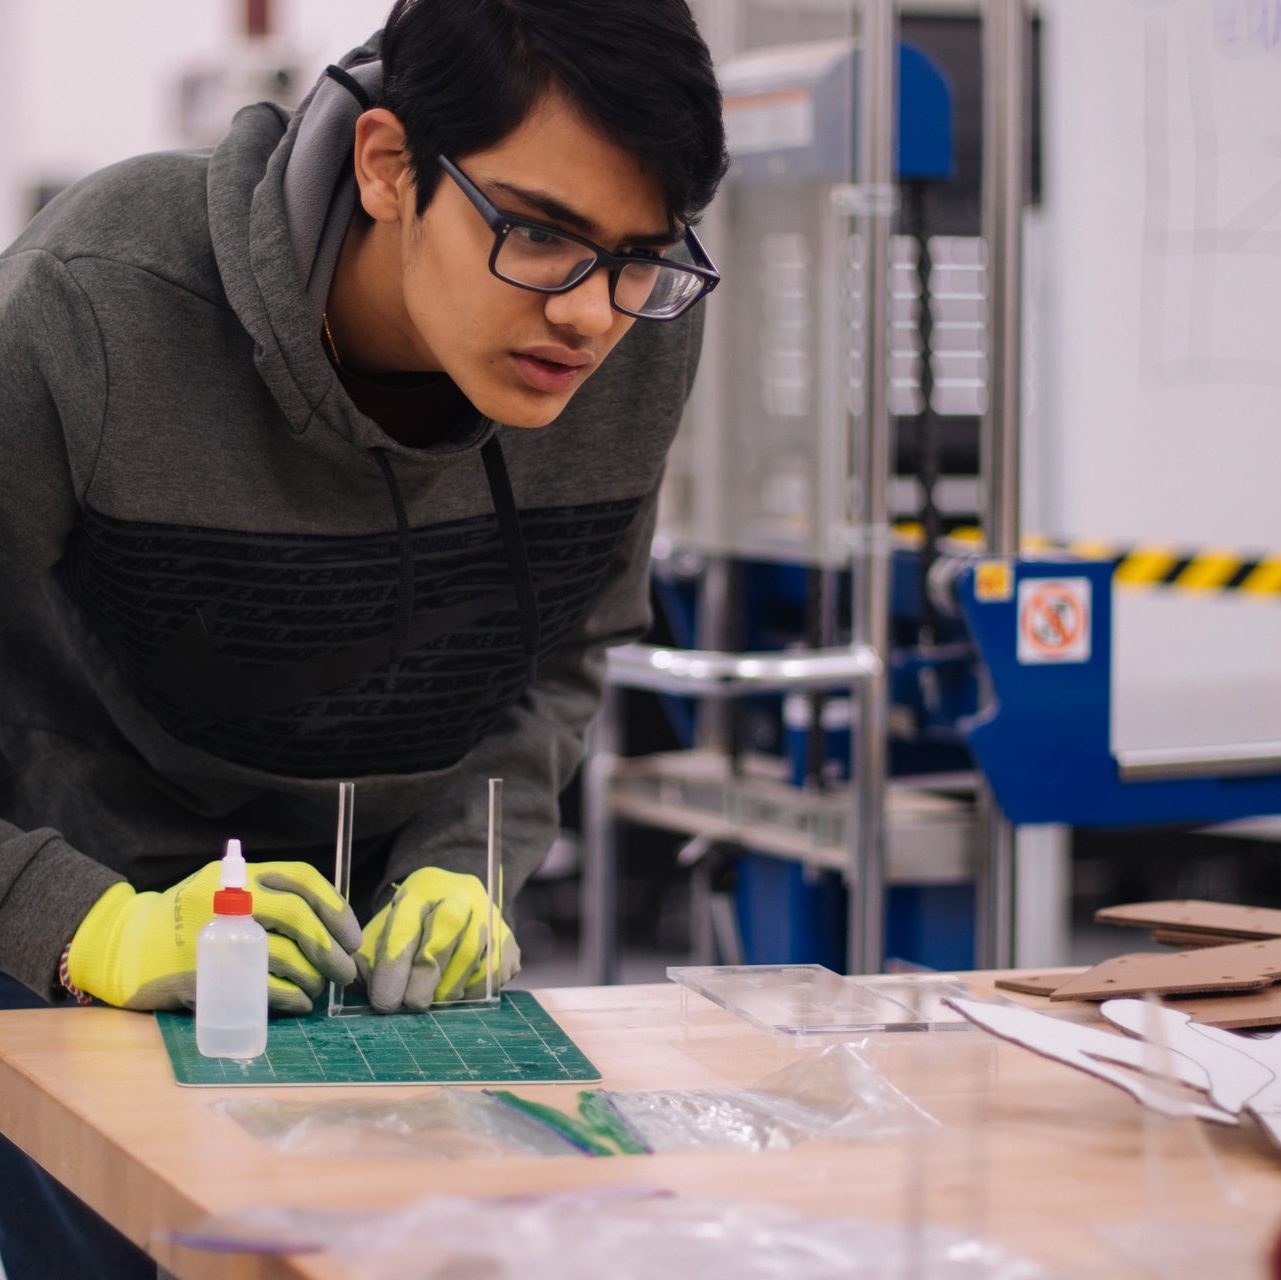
223	589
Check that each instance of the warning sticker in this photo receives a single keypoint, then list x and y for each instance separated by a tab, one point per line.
1054	620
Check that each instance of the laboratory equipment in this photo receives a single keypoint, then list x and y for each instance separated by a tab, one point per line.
777	488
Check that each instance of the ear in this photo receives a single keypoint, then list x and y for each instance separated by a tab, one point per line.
382	166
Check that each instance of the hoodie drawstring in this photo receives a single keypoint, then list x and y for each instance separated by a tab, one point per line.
405	586
500	492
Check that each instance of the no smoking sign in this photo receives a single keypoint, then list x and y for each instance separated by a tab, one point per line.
1054	620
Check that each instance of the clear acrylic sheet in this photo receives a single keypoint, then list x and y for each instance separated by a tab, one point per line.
808	999
337	1006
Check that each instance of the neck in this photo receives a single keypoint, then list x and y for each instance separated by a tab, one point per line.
365	306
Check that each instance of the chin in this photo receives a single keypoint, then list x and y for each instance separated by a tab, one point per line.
522	411
529	422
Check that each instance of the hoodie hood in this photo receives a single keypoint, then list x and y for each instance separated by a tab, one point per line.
281	197
318	190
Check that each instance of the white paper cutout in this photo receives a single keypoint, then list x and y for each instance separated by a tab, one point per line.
1264	1106
1090	1050
1235	1074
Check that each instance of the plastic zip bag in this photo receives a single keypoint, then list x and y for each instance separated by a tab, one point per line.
833	1094
447	1124
625	1233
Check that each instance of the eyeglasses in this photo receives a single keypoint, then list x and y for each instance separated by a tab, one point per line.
532	255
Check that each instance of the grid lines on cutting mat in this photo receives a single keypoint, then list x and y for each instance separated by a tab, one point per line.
514	1041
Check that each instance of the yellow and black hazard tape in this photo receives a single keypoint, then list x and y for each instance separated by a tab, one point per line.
1210	569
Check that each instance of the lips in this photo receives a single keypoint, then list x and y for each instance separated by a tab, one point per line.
550	368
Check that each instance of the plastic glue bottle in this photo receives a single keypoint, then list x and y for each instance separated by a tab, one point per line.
231	970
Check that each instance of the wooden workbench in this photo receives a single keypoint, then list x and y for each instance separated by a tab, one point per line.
1030	1153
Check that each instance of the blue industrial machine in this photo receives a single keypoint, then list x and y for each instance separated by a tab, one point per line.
1043	629
790	913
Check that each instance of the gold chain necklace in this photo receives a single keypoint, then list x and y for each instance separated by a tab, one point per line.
329	338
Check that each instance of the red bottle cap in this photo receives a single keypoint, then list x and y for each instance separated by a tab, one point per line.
233	902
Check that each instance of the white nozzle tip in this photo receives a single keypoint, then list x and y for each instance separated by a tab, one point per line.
233	867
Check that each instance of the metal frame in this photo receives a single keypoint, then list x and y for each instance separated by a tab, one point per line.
1005	35
878	110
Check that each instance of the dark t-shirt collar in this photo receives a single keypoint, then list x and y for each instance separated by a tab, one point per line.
415	409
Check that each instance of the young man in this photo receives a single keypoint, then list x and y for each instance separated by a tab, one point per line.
334	454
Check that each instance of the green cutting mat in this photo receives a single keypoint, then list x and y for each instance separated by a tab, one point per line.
516	1040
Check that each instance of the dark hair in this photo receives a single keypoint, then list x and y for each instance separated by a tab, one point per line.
460	75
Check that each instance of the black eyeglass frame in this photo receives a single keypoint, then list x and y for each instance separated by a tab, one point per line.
503	224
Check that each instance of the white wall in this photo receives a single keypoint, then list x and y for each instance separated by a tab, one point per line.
1159	365
87	83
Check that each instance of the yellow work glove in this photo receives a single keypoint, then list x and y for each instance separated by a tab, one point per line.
431	943
138	950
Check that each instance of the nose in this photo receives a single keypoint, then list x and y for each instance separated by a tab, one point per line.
585	308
